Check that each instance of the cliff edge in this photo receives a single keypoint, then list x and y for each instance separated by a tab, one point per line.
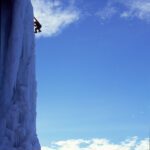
17	77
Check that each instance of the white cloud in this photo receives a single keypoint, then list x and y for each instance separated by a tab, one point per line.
46	148
99	144
54	16
107	12
139	9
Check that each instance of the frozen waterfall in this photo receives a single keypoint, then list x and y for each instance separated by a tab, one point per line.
17	77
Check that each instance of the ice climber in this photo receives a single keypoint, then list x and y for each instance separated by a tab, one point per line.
37	26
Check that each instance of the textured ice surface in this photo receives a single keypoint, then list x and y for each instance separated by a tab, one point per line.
17	77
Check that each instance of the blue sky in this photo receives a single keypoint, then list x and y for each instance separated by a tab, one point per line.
93	71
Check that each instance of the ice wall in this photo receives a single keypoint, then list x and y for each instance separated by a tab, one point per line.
17	77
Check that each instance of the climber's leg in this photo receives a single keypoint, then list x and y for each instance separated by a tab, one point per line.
35	30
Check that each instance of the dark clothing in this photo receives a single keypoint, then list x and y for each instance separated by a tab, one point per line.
37	25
